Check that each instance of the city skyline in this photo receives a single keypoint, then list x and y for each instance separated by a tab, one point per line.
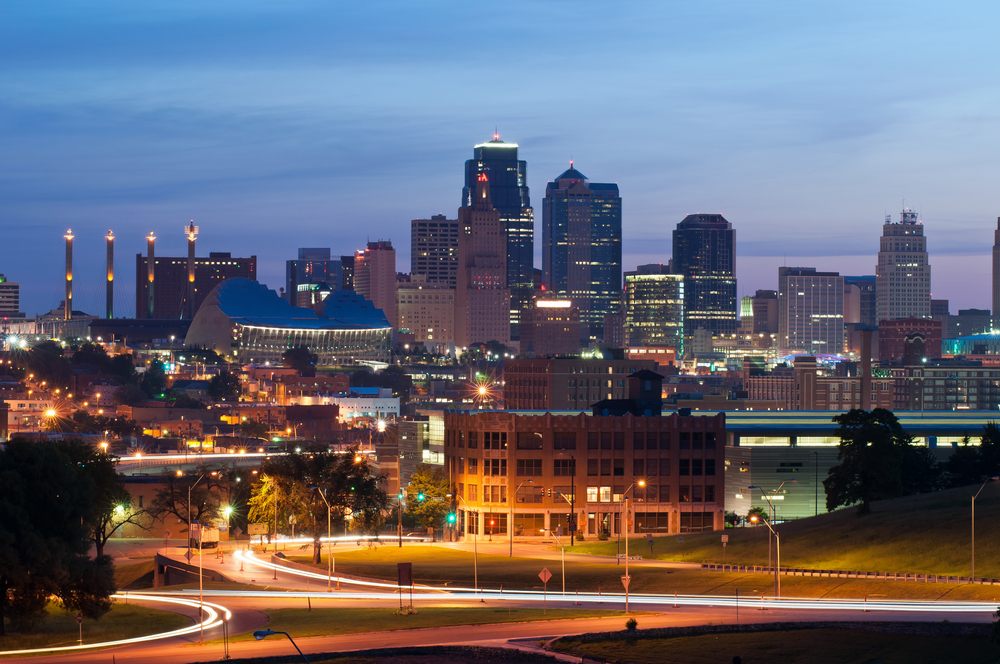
845	124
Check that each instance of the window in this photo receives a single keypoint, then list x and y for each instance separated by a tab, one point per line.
652	522
564	440
697	442
592	440
619	440
710	440
529	467
639	440
605	440
473	440
619	467
664	440
495	440
685	496
473	466
638	467
709	493
664	493
605	466
696	493
562	467
685	467
685	440
710	466
665	467
696	467
605	494
592	467
529	440
495	467
473	492
591	494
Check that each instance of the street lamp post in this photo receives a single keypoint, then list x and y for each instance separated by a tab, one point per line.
973	542
201	528
770	504
777	546
329	541
623	521
264	633
510	523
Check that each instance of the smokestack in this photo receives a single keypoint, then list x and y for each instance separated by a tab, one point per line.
109	303
866	368
68	301
191	231
150	272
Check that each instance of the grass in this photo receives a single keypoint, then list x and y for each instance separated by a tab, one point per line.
439	566
806	646
328	622
928	533
134	575
435	655
59	628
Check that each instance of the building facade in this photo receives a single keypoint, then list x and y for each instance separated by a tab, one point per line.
168	280
434	250
375	277
567	383
909	340
10	299
582	246
311	273
903	273
428	311
764	308
482	298
654	309
810	311
550	326
704	252
508	178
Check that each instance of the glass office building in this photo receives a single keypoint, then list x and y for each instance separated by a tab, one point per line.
654	309
704	252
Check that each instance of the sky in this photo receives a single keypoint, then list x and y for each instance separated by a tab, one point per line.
277	125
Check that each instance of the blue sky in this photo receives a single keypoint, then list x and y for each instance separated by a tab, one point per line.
277	125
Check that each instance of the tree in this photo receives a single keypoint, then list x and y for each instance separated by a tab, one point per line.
301	359
206	496
427	495
48	506
112	503
963	466
877	460
46	361
289	486
758	512
253	429
224	387
154	380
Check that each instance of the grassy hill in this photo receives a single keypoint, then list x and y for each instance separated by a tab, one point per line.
928	533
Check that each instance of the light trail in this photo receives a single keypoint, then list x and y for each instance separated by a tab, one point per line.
464	593
213	615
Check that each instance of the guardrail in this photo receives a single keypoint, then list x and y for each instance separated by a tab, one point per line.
845	574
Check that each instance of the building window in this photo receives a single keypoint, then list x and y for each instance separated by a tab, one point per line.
710	466
592	440
564	440
473	440
605	466
529	440
638	467
619	440
685	467
529	467
605	494
665	467
696	467
619	467
592	494
664	493
605	440
639	440
495	467
473	466
562	467
592	467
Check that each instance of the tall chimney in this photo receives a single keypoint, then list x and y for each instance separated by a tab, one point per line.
192	234
68	301
109	303
150	273
866	368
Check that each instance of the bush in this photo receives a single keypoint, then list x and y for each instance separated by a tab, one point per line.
631	624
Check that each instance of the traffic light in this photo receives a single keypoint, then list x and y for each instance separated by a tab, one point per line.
451	518
421	496
399	495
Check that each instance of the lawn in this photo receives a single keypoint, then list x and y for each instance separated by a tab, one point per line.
59	628
325	622
928	533
439	565
806	646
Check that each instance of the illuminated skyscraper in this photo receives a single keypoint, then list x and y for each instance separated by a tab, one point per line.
582	246
705	253
375	277
654	309
810	311
434	249
903	273
508	184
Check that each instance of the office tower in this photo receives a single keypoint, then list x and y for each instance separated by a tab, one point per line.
508	184
860	300
109	276
434	249
967	322
375	277
704	251
482	299
162	282
996	276
347	269
582	246
654	309
764	305
810	311
427	310
311	273
10	299
903	275
68	301
550	327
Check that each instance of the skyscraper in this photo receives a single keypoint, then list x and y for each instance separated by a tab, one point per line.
996	276
582	246
810	311
434	249
375	277
654	309
10	299
903	274
311	271
508	184
482	299
764	305
705	253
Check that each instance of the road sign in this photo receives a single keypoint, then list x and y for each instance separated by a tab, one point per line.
79	619
257	528
404	573
725	539
545	575
626	580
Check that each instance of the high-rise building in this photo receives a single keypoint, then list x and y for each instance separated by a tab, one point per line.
434	249
375	277
550	326
654	309
903	274
704	252
810	311
10	299
860	300
162	288
347	270
764	305
313	271
482	299
428	311
582	246
508	183
996	276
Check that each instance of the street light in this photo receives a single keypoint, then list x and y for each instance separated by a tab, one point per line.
623	521
475	545
201	586
329	540
264	633
777	545
991	479
770	504
510	523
